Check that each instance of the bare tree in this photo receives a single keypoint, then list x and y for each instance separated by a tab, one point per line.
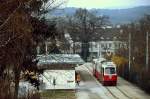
18	35
85	26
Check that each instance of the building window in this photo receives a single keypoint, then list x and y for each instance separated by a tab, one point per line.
109	45
102	45
116	46
95	45
90	45
120	45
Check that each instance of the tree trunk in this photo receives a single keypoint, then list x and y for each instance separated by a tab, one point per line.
17	76
85	50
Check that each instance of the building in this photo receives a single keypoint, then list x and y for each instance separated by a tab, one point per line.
100	48
59	70
108	42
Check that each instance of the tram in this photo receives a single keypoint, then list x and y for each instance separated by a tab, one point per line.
105	72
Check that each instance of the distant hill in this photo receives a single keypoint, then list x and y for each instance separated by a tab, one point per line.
117	16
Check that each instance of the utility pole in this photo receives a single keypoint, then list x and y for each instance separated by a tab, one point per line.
147	49
46	48
98	50
74	51
129	51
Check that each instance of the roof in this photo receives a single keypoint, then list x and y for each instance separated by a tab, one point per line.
108	64
101	59
59	59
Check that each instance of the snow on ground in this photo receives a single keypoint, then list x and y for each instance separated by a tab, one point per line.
25	88
64	79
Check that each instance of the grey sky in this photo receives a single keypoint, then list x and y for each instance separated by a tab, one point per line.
107	3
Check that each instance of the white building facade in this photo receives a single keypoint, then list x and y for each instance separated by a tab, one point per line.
100	48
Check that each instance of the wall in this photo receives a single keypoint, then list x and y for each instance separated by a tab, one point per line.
65	79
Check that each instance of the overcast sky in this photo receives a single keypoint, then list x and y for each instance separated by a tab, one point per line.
119	4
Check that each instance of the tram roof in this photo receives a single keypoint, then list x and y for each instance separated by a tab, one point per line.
100	60
108	64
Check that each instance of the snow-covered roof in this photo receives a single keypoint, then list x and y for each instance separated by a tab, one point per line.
51	59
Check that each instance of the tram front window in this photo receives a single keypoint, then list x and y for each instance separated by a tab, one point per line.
110	70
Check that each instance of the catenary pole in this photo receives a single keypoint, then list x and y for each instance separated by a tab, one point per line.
147	50
129	51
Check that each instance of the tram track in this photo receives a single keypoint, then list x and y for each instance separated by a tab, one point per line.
116	95
123	93
111	93
107	88
117	88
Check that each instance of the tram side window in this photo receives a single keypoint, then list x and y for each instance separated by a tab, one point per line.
110	70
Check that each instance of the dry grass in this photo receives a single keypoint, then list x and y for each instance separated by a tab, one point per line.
58	94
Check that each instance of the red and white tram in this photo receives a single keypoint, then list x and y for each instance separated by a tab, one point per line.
105	71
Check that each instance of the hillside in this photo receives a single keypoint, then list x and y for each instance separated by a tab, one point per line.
117	16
